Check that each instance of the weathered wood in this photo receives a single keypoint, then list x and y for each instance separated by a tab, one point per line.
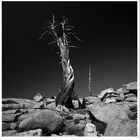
59	32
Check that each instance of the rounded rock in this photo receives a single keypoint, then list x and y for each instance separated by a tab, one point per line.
44	119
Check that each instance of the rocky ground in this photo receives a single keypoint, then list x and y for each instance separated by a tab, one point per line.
111	113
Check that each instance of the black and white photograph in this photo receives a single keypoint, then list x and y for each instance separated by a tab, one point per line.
69	68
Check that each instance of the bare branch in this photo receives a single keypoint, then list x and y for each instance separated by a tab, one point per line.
73	47
42	35
53	19
77	38
53	42
68	29
71	33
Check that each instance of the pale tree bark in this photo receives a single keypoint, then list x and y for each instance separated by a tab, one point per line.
65	95
60	32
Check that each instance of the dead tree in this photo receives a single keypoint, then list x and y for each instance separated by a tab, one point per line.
89	80
60	32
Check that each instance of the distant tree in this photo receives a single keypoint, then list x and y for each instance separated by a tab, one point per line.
89	80
60	33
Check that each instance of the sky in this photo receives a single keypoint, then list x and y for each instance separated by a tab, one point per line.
108	31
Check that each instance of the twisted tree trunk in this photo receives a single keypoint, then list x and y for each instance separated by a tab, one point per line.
60	31
65	95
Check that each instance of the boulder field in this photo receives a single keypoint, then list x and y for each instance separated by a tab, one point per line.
110	113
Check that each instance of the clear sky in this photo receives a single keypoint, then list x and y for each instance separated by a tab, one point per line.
29	65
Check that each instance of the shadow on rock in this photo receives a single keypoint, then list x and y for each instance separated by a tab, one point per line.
100	126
